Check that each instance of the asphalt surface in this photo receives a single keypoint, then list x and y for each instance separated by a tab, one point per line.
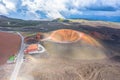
19	60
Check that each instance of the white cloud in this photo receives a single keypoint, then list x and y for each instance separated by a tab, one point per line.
54	15
3	9
32	16
7	6
53	8
60	8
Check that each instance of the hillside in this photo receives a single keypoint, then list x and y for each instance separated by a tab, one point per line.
12	22
75	49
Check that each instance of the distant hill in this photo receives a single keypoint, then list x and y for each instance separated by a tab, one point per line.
12	22
3	17
18	23
61	20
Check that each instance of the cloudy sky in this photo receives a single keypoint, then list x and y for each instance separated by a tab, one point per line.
51	9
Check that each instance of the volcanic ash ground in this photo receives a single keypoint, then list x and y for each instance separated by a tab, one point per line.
78	58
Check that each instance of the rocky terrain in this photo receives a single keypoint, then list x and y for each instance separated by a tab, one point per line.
53	65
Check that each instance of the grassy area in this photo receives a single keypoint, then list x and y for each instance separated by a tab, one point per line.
61	20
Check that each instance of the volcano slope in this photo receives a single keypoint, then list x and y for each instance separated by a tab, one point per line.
70	55
67	42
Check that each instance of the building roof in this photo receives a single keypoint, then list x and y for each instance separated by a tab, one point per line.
32	47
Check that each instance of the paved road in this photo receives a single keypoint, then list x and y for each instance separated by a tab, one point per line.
19	60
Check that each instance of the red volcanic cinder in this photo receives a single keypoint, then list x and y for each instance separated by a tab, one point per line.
70	36
65	35
9	45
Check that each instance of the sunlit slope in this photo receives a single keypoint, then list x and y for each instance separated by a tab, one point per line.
73	44
65	35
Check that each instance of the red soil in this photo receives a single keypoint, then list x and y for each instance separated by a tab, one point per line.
68	35
65	35
9	45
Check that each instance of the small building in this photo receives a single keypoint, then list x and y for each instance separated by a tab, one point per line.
34	49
